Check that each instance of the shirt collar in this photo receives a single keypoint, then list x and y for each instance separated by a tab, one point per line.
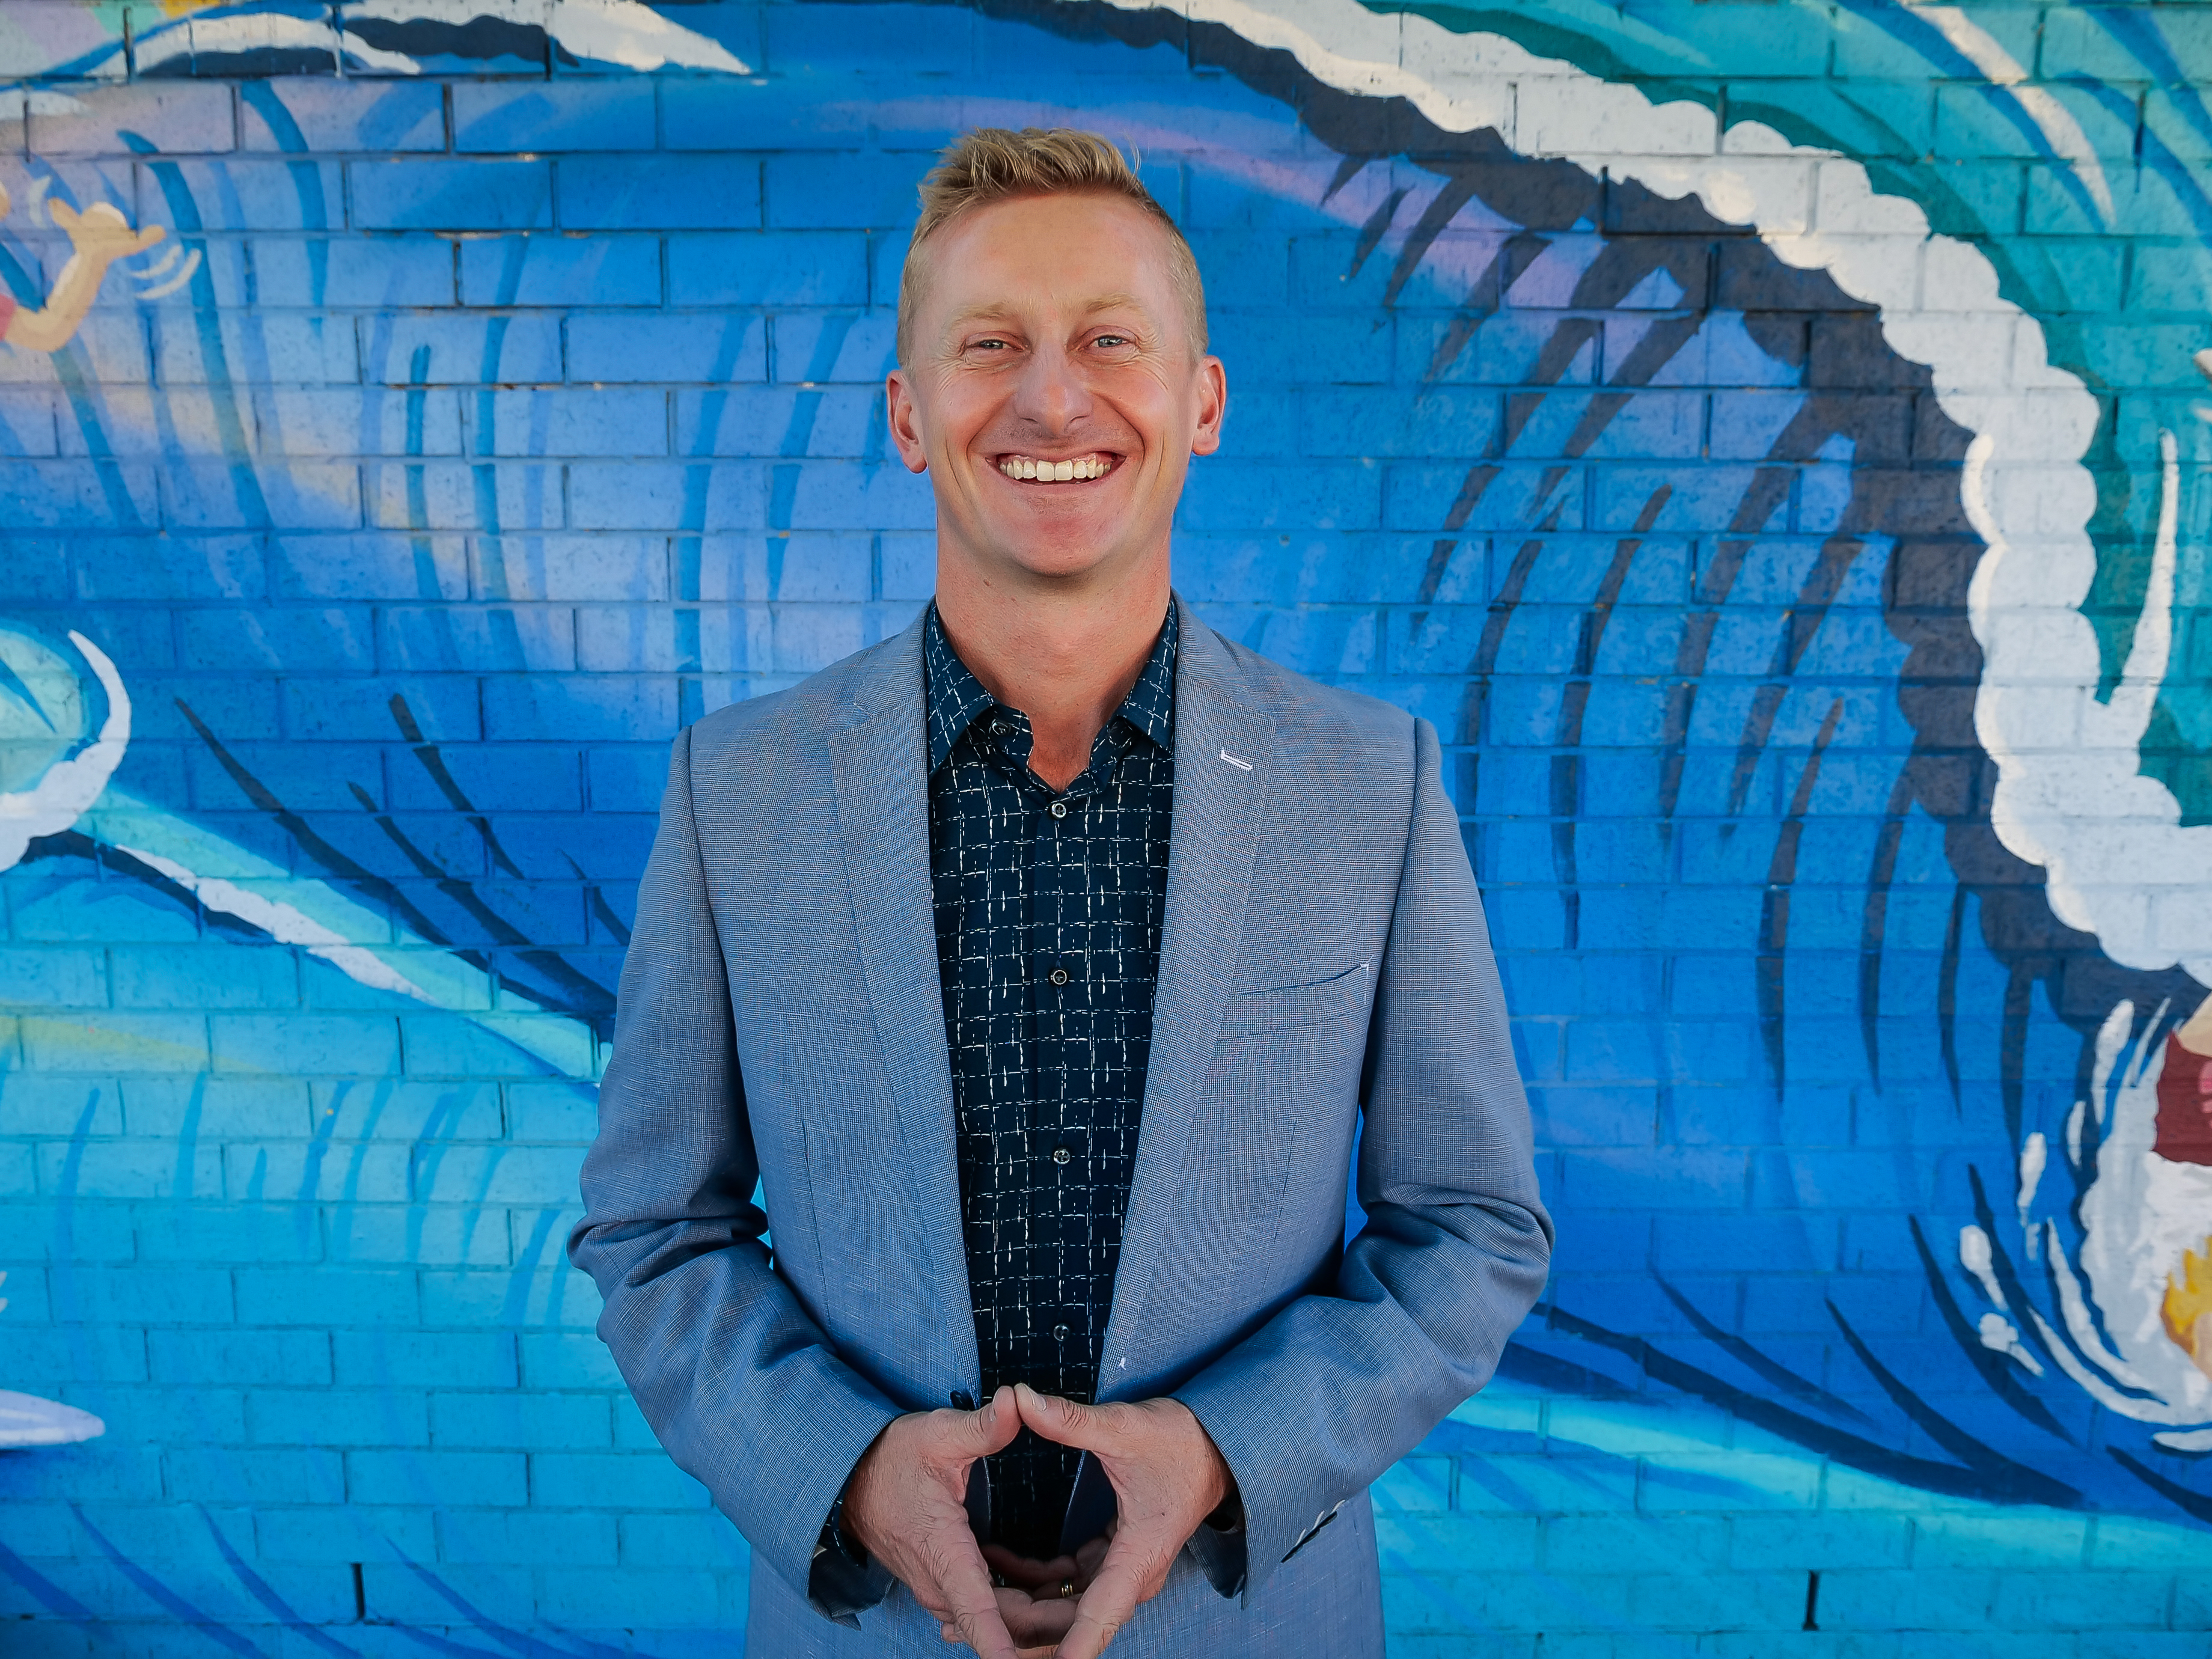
957	697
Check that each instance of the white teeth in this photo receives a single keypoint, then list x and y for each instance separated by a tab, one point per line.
1023	466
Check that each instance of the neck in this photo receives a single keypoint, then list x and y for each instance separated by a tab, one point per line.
1065	657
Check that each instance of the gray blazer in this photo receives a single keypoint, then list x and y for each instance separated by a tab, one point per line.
1325	957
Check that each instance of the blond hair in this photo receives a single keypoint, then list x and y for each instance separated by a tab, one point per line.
993	164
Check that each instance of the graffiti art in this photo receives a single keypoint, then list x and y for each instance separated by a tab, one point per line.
1769	441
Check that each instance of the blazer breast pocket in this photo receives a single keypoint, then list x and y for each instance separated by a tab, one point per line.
1289	1006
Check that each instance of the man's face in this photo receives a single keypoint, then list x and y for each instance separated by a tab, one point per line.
1051	392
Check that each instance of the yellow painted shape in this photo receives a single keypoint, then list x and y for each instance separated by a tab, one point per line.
2187	1310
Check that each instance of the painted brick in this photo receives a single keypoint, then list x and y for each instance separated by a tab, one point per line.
302	1297
302	1044
336	1417
705	346
314	114
173	117
439	1479
524	1537
562	1360
478	195
669	192
785	268
549	271
297	1358
621	1480
493	116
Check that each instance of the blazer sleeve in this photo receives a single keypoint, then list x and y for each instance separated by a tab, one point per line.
1327	1394
740	1384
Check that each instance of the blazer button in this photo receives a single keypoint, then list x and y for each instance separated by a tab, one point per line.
1058	809
1058	976
1059	1332
1060	1155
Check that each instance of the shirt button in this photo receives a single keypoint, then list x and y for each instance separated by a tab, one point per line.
1058	976
1059	1332
1060	1154
1058	809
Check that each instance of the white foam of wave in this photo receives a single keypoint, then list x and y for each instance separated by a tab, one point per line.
67	789
2069	797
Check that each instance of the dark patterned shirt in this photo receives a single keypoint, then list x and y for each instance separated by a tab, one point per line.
1049	907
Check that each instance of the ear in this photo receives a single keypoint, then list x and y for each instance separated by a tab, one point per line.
1212	406
904	420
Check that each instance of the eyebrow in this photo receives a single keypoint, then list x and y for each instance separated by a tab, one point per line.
1091	308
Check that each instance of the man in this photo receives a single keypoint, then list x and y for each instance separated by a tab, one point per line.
1042	965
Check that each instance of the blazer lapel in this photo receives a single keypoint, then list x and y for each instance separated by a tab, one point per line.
1223	754
879	767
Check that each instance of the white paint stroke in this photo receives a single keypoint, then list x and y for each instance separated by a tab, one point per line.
286	925
603	31
2199	1441
67	789
2052	118
25	1420
1998	1336
175	283
2069	797
2034	1158
1977	1258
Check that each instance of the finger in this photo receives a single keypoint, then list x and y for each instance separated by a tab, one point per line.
64	215
150	236
1025	1571
1067	1421
1030	1623
989	1428
966	1589
1128	1574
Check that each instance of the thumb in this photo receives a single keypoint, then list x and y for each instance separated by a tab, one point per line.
62	213
1069	1422
990	1428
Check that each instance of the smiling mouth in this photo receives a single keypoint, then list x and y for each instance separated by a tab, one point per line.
1076	470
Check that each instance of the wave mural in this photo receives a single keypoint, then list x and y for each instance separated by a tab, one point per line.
1768	441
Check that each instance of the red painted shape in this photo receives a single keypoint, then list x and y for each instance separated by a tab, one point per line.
2185	1107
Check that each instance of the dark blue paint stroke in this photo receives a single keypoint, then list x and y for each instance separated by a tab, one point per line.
1881	875
1800	624
265	1593
1773	959
49	1593
2012	1483
515	1640
1995	1369
222	392
1947	994
170	1602
1845	1448
1751	1359
307	178
2194	1505
434	763
2001	1267
1574	704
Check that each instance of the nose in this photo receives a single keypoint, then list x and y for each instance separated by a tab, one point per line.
1051	394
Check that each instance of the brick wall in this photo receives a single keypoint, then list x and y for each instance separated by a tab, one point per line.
499	400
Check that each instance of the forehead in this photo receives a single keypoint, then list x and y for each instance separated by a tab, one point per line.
1068	249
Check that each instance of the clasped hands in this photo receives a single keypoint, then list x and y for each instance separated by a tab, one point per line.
907	1506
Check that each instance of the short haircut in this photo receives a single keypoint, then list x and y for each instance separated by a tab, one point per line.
995	164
